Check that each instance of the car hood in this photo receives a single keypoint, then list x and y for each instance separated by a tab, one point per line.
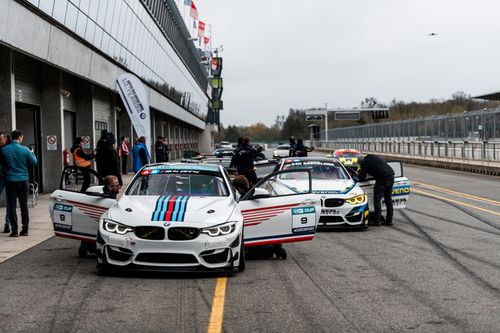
140	210
342	187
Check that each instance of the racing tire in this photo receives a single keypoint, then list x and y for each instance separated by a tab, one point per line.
280	252
82	250
242	264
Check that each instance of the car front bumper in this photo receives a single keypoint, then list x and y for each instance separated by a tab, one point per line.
348	216
203	253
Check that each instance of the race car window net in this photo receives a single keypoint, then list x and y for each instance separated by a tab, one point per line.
319	170
287	184
201	185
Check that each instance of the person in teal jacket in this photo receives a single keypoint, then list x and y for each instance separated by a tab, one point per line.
140	154
4	139
17	161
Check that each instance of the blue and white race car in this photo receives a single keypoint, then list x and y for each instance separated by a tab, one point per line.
344	203
183	217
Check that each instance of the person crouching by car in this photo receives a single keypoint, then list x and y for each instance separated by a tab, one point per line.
241	185
82	159
384	180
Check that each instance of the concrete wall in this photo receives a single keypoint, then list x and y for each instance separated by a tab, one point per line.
51	124
6	88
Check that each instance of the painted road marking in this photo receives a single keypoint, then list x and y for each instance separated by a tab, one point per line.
456	202
217	312
470	196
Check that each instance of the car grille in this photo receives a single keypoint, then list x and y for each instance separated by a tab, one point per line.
167	258
153	233
183	233
330	219
334	202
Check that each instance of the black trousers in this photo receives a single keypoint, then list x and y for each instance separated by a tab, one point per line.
86	179
250	175
124	163
383	189
18	191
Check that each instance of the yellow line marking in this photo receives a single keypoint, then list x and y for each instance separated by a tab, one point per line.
217	312
470	196
457	202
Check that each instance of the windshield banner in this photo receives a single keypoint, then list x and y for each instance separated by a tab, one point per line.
135	98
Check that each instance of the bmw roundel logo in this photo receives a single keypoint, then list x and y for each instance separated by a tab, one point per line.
142	115
166	224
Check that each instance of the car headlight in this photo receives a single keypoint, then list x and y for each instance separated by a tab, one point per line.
115	227
359	199
219	230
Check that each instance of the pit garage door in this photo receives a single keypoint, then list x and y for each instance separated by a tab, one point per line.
103	112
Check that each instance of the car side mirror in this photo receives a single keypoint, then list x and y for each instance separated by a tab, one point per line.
96	191
260	193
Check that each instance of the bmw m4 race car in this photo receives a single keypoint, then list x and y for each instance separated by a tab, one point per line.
183	217
344	203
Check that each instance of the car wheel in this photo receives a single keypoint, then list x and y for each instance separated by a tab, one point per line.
241	266
82	250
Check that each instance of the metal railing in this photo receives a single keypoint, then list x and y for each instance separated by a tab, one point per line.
473	126
458	150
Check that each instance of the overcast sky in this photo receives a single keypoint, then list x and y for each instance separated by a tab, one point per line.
281	54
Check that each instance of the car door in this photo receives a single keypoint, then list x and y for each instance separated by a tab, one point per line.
280	208
75	214
400	189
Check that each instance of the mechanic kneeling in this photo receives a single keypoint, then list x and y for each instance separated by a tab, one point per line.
384	180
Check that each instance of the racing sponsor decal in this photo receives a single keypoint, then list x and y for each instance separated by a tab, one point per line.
400	190
279	239
170	208
62	217
303	219
92	211
256	216
344	191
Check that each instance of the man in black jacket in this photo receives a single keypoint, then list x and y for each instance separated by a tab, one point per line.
244	158
384	180
161	150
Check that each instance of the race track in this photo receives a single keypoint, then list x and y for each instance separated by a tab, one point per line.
436	269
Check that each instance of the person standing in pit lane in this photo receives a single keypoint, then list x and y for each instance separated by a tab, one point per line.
82	159
4	140
244	161
161	150
108	162
140	154
235	157
124	153
300	150
384	180
18	160
291	151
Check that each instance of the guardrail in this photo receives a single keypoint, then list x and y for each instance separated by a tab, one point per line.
477	157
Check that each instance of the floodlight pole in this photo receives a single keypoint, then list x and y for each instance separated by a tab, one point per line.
326	122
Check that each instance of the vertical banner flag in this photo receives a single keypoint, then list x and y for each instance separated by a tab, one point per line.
201	29
206	40
134	96
194	11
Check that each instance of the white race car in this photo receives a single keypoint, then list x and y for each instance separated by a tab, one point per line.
182	217
281	151
344	203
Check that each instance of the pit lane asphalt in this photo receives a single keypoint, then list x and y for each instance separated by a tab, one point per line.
437	269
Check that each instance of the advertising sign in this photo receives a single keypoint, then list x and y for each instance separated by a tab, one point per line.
134	96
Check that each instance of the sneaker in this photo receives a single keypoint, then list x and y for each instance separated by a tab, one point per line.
14	234
24	233
6	229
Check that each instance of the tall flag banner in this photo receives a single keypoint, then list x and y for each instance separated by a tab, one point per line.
194	24
188	2
194	11
201	29
135	98
206	40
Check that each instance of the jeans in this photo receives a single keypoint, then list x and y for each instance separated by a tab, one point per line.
383	189
2	186
18	191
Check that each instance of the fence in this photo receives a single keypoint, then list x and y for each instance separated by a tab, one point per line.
473	126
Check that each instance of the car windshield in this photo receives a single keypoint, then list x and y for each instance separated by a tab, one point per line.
201	185
283	147
348	155
320	170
